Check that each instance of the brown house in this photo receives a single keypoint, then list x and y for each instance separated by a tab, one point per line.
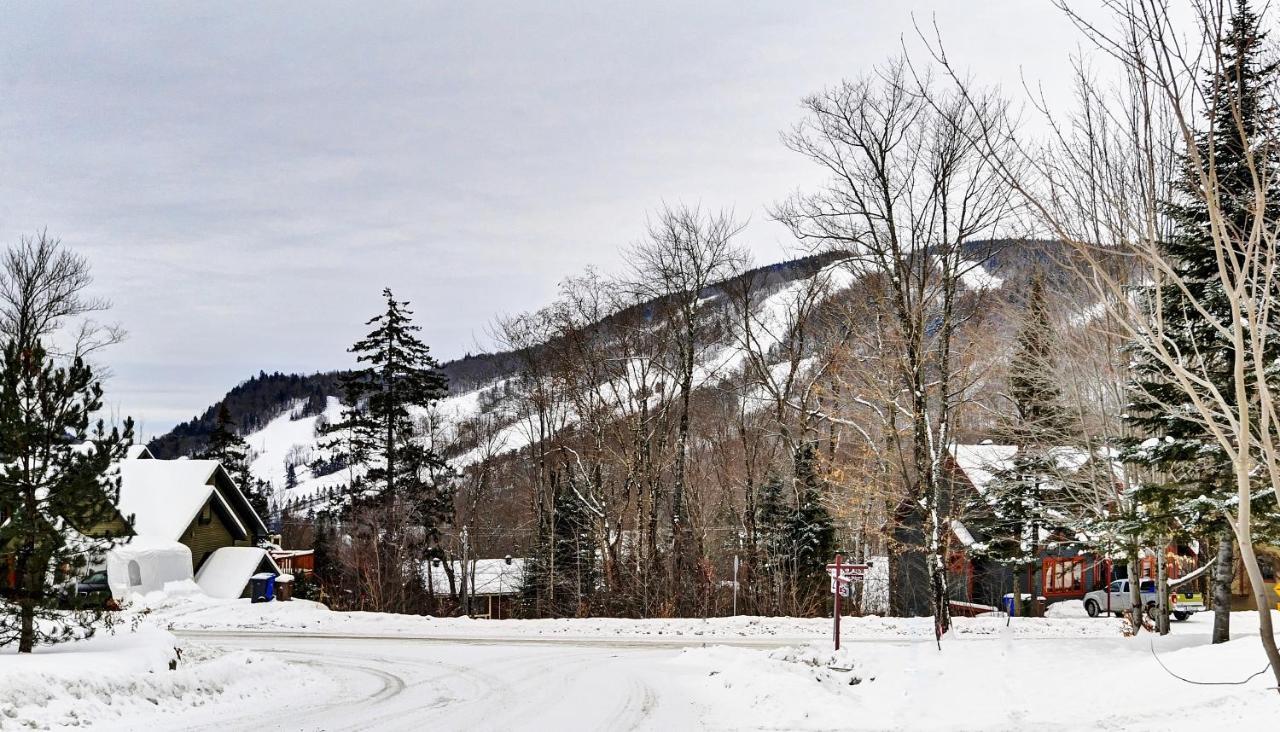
194	502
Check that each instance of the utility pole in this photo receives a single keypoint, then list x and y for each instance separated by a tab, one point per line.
735	584
466	600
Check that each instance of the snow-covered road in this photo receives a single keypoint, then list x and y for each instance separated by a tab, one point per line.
459	683
299	666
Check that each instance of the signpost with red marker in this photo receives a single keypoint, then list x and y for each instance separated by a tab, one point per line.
842	578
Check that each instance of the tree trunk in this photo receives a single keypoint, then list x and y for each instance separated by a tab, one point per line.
1162	588
1136	610
1223	568
1250	561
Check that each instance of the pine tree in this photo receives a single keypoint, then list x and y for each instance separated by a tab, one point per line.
229	448
1195	476
58	485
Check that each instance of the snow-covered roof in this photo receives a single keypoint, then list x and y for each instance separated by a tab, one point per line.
962	533
491	577
980	463
226	572
138	452
146	564
164	496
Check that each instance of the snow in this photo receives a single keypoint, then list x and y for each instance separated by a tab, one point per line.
285	438
980	463
1066	609
159	562
164	496
226	572
116	679
1002	683
196	613
975	276
321	669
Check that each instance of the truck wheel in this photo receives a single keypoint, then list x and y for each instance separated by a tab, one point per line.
1091	607
1180	616
1152	611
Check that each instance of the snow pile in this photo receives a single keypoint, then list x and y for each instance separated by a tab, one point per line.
116	677
1066	609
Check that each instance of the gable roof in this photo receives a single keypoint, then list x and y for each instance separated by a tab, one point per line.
165	496
227	571
980	463
492	577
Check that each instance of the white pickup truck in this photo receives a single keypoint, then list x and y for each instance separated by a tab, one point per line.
1183	603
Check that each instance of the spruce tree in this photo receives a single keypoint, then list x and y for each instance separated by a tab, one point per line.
58	490
229	448
399	374
1195	476
811	534
1018	506
575	551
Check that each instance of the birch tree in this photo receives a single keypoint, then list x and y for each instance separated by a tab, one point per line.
907	188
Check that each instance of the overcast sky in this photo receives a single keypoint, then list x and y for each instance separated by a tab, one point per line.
246	177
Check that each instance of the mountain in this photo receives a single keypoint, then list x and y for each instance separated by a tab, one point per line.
280	414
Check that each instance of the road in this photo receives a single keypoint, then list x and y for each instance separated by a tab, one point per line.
398	683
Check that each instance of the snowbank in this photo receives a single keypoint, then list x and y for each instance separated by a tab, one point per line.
200	613
979	686
1066	609
114	677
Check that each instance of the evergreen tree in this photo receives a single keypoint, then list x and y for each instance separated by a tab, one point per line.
795	532
1018	506
377	430
575	555
811	534
1195	477
57	485
229	448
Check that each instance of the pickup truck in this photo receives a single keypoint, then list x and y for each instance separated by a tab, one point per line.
1183	604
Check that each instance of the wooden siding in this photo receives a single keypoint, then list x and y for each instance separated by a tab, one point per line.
208	532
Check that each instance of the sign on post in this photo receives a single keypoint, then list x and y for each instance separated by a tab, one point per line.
842	578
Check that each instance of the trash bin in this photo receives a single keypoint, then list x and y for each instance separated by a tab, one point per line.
262	587
284	588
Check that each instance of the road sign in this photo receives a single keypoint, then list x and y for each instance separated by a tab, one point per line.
844	575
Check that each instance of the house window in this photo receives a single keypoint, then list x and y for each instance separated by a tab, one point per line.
1063	575
135	573
206	514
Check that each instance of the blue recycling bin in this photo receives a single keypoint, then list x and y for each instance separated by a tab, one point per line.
262	587
1008	604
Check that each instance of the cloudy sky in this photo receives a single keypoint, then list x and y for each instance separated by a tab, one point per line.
246	177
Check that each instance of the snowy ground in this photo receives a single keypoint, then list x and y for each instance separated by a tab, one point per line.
315	669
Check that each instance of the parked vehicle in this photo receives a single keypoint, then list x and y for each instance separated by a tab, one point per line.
1182	604
88	591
